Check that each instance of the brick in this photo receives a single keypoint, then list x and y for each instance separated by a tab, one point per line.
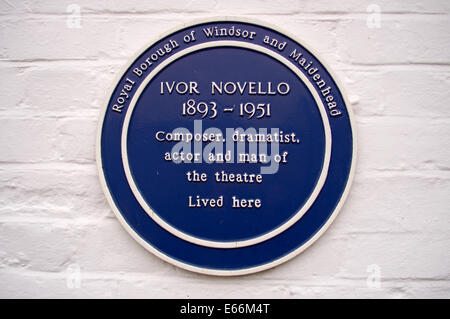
80	87
36	246
71	192
107	247
396	203
386	6
13	87
27	140
136	34
48	139
77	140
402	143
50	38
60	285
405	256
231	6
388	92
400	40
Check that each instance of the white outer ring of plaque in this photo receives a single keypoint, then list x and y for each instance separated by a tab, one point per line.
226	244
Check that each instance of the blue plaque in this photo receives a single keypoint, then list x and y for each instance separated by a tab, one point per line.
226	147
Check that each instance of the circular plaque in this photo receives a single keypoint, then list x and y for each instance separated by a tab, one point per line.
226	147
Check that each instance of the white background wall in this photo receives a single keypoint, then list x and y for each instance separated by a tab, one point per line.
59	237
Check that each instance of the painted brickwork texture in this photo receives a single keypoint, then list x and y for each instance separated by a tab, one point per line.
58	235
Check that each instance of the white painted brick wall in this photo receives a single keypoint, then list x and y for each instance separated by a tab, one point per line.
54	216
